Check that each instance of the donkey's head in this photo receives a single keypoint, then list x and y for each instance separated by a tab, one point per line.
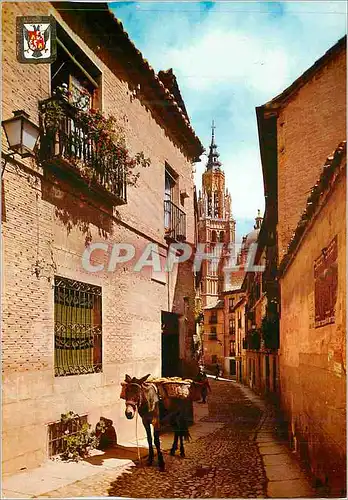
134	394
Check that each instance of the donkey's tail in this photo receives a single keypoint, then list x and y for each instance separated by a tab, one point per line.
186	435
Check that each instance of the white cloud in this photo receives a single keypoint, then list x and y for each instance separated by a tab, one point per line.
223	58
229	59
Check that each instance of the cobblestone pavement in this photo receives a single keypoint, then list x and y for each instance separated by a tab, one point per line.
223	464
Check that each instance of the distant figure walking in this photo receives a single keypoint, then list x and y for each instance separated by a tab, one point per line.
203	380
217	371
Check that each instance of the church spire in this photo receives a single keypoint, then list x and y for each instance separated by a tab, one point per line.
213	161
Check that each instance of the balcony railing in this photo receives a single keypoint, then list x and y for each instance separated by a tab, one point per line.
174	222
252	341
70	146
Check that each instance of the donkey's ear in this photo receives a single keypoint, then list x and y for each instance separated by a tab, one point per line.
128	379
142	380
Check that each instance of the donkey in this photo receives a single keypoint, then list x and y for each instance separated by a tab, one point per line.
143	397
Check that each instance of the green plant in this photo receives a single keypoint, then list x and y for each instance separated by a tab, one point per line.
54	114
109	137
198	311
270	332
104	134
78	439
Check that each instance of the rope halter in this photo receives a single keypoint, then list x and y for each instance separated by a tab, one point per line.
135	404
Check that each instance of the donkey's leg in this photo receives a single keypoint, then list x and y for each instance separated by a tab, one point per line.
175	443
182	449
149	440
184	433
158	448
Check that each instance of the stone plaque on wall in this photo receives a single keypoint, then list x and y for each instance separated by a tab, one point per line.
325	285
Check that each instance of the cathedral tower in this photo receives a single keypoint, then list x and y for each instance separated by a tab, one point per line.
216	224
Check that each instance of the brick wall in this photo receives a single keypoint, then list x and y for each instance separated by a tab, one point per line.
309	127
49	222
313	360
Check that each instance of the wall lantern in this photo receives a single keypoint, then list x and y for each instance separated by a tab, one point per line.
21	133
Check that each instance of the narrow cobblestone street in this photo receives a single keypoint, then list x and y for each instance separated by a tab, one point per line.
225	463
234	453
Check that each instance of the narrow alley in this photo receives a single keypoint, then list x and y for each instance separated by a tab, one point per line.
233	453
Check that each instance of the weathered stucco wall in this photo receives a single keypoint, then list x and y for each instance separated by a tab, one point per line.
313	360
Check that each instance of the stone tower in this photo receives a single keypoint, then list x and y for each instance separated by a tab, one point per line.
215	225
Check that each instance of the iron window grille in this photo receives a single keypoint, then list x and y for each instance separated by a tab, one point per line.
57	432
77	327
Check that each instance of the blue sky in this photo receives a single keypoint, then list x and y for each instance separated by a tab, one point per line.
229	57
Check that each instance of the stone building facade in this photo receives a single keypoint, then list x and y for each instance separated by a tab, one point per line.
121	320
234	327
306	236
214	336
216	226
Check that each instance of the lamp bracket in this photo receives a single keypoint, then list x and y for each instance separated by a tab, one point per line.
4	158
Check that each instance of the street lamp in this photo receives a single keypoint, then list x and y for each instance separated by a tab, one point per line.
21	134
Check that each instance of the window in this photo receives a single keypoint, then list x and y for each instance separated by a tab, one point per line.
326	284
174	217
213	335
209	203
73	68
169	184
214	358
213	318
56	432
230	304
222	236
232	326
232	348
77	327
216	206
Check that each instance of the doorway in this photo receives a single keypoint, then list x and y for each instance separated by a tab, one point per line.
232	366
170	344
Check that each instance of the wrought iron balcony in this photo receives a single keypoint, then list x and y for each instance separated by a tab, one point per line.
70	147
252	341
174	222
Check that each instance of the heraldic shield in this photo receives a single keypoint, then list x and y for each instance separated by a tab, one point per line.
36	39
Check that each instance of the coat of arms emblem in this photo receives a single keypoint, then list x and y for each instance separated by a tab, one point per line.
36	39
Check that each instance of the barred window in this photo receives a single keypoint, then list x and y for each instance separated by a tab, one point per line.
78	327
57	431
